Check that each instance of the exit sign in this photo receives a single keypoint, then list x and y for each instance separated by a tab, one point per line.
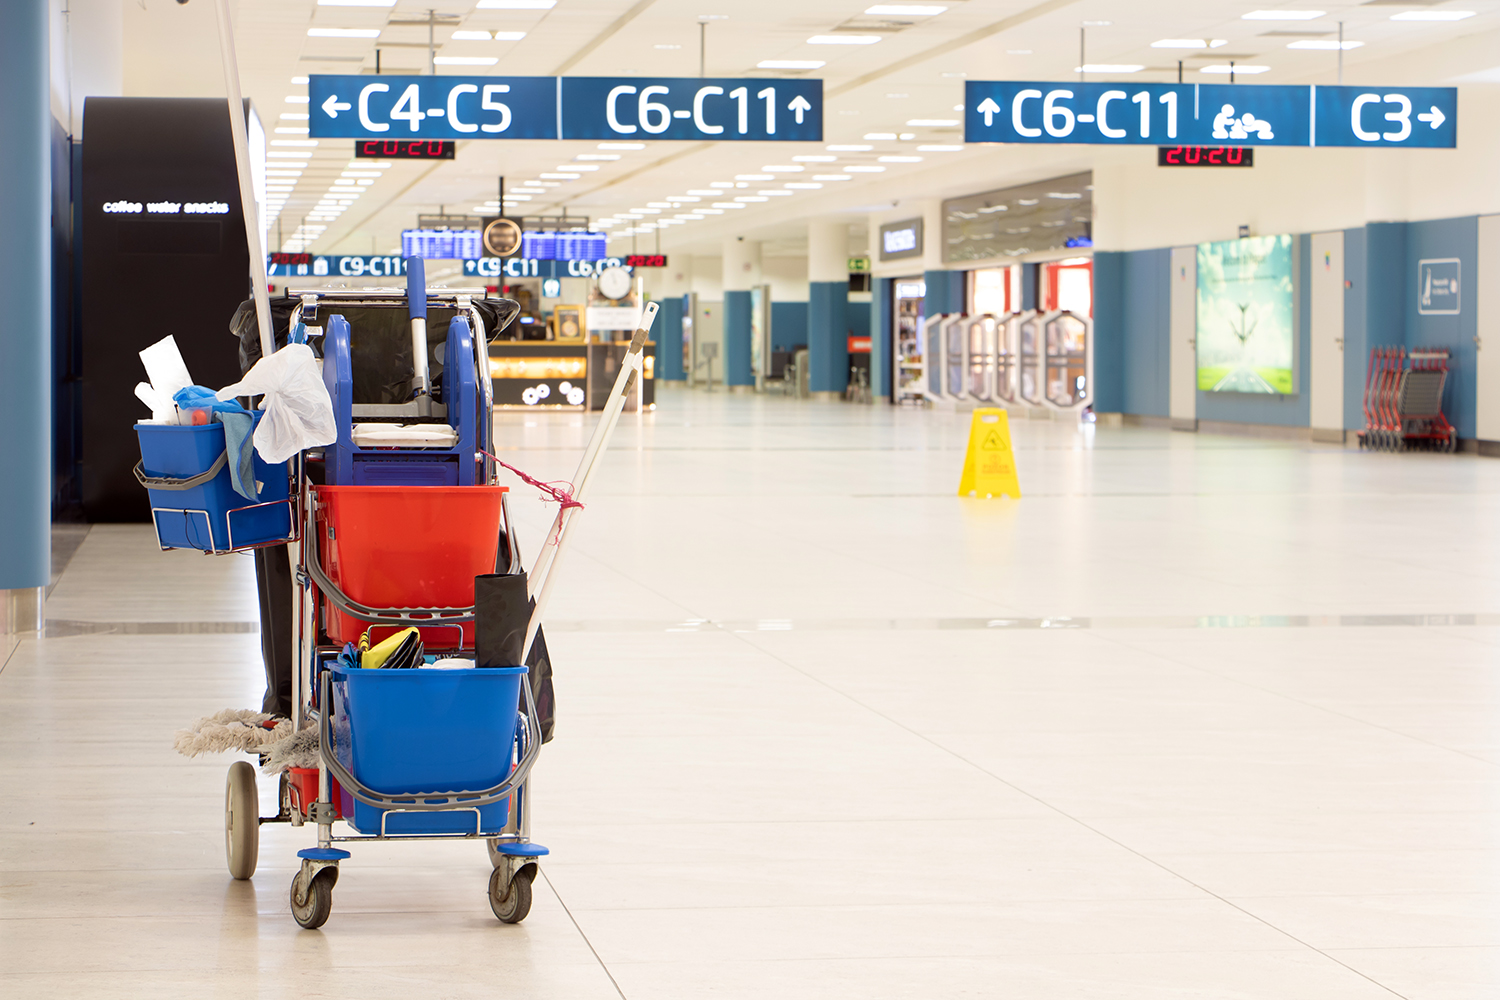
858	264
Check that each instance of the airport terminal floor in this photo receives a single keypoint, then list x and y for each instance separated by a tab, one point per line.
1201	716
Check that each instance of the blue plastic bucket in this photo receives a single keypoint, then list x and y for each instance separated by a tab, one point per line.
426	730
210	516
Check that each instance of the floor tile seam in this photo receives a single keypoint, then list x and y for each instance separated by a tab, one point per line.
582	934
1198	668
10	654
1033	955
946	905
1100	833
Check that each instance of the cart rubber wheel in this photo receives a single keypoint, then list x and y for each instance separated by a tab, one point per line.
314	913
241	820
511	903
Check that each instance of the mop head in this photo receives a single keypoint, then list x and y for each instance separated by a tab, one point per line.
299	749
231	729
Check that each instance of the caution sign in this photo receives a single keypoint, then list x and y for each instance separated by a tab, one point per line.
989	465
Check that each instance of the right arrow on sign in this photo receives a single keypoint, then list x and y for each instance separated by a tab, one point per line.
1435	117
989	109
799	106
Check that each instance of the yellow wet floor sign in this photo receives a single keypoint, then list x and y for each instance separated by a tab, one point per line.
989	465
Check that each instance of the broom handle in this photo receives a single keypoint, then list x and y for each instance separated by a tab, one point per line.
543	575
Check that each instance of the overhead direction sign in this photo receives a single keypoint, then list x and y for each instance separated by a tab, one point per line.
549	107
1164	114
692	108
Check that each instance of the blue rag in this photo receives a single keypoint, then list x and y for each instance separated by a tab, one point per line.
238	425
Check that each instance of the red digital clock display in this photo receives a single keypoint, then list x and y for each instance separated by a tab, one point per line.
291	259
1204	156
646	260
404	149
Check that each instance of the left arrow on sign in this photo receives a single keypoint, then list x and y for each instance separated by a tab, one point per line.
1434	117
333	106
799	107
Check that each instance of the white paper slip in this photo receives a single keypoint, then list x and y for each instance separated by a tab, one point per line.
165	368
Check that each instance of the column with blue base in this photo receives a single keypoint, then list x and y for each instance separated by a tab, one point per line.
25	336
881	339
741	263
668	336
827	299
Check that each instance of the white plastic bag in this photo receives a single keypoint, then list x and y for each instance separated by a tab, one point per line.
299	413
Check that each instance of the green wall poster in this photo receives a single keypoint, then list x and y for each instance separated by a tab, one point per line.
1246	341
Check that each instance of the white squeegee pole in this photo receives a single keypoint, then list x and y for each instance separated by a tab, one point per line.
249	208
543	574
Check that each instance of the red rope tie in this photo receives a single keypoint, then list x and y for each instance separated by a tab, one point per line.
560	491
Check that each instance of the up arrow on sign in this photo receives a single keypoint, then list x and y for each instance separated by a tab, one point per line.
799	107
989	109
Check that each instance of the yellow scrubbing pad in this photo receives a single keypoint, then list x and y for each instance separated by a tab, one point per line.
375	657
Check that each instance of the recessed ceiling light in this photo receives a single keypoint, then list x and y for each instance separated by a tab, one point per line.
1108	68
939	149
343	32
1225	69
465	60
515	4
622	145
300	80
932	122
748	177
470	36
843	40
802	185
1282	15
904	136
1321	43
881	136
864	168
849	149
1432	15
790	64
900	159
905	9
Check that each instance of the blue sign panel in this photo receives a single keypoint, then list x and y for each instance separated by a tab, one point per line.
432	107
692	108
1386	116
352	266
1437	286
355	266
1154	114
531	267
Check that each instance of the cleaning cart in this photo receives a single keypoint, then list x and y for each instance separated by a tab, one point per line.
403	538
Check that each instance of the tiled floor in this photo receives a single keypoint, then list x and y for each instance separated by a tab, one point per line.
1200	717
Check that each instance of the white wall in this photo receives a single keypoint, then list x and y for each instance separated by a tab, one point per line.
87	56
787	277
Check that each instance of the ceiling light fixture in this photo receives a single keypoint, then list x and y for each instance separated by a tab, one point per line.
470	36
300	80
1282	15
1432	15
790	64
905	9
343	32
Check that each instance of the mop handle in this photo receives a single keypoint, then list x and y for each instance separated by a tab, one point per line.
632	368
249	208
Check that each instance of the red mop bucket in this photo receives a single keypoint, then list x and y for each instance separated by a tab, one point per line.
407	547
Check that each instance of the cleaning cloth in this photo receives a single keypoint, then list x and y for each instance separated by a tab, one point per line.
238	425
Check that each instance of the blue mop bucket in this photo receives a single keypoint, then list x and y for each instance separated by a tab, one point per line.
400	732
193	501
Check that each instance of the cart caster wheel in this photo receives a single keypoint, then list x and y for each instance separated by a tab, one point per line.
241	820
318	898
511	902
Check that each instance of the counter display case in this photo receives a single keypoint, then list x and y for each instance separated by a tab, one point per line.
553	375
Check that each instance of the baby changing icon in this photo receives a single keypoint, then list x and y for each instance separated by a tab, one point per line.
1228	125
